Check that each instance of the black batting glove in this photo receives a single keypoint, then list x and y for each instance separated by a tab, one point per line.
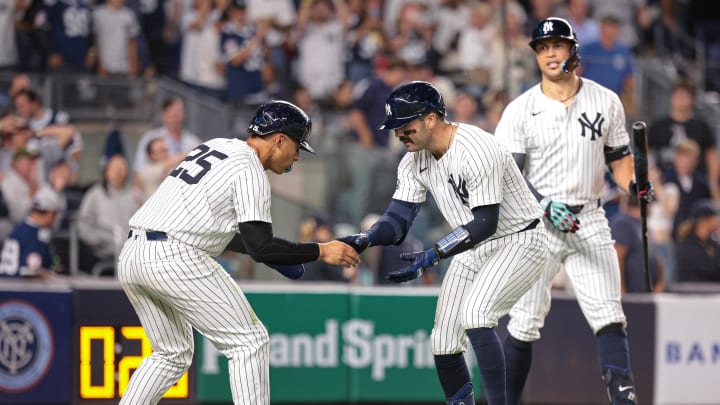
358	241
646	193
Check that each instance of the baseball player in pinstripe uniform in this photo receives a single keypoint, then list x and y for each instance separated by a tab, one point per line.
217	198
563	132
497	248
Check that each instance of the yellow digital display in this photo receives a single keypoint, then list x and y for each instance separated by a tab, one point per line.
97	375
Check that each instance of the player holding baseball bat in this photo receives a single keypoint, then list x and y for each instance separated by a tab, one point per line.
564	134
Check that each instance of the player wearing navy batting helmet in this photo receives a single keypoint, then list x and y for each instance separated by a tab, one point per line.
558	28
497	247
218	198
563	133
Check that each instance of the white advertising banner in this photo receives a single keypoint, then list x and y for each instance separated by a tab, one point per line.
687	355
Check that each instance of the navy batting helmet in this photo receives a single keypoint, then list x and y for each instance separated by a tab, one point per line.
281	116
409	101
555	27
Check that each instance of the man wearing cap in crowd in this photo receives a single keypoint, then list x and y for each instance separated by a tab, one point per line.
609	62
698	253
26	252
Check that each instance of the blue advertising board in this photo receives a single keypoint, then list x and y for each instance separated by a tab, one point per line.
35	336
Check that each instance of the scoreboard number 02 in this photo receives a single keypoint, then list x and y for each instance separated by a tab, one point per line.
105	387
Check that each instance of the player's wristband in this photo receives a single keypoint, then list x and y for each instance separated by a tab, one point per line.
453	243
544	203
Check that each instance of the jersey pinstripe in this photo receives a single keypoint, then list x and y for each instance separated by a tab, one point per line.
564	148
474	171
191	203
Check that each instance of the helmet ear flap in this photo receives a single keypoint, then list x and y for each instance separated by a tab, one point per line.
574	60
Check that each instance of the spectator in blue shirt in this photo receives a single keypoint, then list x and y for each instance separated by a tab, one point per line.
241	43
691	184
609	62
698	248
26	252
370	157
70	34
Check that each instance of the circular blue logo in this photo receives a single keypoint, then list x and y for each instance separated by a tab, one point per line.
26	346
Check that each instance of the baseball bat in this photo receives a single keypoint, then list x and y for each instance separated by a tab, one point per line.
640	157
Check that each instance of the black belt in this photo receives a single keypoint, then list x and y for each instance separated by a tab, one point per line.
151	235
575	209
530	226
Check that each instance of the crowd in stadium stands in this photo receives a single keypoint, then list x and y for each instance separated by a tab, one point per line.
343	56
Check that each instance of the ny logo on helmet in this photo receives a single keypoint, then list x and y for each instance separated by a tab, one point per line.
388	112
547	27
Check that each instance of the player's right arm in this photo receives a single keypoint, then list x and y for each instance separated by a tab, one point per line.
256	239
393	225
520	162
390	229
510	132
558	213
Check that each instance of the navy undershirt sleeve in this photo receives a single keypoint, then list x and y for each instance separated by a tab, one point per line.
394	224
484	223
256	239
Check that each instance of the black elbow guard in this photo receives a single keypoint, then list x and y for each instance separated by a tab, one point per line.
455	242
617	153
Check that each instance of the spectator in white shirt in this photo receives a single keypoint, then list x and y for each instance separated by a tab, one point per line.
178	139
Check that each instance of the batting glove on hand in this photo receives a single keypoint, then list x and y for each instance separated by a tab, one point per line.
646	193
292	271
560	216
358	241
420	261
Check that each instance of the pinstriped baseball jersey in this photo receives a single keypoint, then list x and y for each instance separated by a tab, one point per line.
173	282
191	204
565	160
482	284
474	171
564	148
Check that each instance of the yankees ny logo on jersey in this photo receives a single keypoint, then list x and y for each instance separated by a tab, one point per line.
595	127
460	188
